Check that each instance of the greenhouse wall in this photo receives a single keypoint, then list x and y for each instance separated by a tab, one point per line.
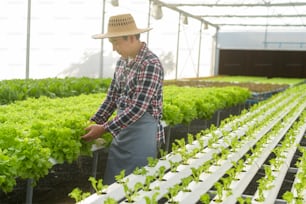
258	40
269	63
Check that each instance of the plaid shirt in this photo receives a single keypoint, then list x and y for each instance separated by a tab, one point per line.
136	88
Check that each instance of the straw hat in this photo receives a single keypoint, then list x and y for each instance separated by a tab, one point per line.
121	25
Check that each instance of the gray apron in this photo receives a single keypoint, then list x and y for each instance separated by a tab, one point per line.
131	148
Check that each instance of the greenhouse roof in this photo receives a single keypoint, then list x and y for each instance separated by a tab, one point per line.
224	14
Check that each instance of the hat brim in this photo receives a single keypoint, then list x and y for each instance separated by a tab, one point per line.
119	34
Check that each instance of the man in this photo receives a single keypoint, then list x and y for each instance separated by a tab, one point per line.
136	93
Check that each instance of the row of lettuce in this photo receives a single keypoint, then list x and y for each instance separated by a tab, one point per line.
257	79
220	164
21	89
38	131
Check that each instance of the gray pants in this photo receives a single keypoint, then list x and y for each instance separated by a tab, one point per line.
131	148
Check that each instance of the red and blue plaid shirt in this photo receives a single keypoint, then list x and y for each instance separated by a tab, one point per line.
136	88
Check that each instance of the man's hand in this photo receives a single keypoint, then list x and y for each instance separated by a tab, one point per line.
94	132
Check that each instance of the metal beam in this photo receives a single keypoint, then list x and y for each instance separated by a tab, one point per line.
170	6
241	5
101	70
27	75
178	46
263	25
252	16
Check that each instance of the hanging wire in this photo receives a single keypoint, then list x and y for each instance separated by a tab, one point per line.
294	7
190	52
267	22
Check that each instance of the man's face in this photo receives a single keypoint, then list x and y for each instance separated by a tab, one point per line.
121	46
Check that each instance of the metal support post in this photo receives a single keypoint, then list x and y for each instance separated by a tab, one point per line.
95	163
29	195
168	135
218	118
